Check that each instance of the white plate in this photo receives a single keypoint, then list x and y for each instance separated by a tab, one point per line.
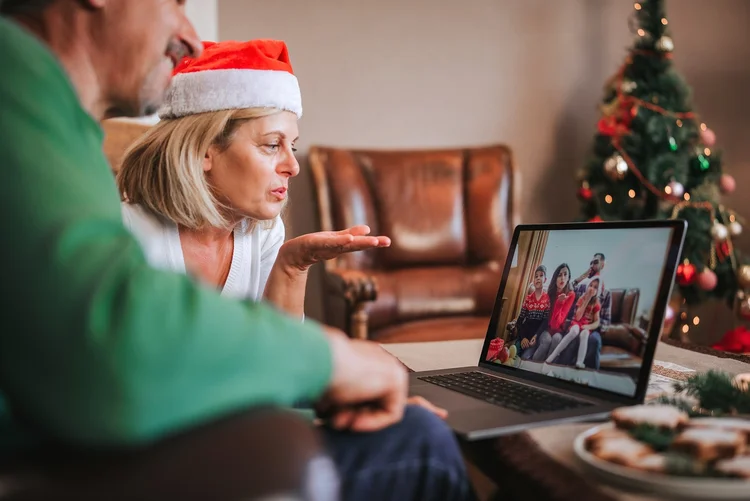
676	487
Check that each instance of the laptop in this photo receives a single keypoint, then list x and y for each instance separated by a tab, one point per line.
602	285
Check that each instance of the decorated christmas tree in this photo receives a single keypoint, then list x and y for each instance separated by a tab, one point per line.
653	158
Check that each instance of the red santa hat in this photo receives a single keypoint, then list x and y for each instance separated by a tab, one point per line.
234	75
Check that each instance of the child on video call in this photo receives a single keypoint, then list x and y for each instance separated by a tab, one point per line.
534	312
561	296
585	320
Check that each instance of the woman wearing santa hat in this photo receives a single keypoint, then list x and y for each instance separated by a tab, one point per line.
205	187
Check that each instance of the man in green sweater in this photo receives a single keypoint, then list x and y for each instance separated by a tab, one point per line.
97	349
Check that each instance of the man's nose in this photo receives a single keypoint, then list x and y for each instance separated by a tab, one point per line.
189	38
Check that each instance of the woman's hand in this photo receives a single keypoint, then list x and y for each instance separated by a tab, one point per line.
304	251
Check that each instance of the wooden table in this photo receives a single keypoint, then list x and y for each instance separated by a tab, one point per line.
539	464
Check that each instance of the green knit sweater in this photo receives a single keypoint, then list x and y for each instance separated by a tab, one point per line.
96	347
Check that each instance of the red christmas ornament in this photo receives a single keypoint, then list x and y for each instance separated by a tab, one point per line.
607	126
707	280
686	274
727	184
722	250
596	219
708	137
736	340
585	194
618	123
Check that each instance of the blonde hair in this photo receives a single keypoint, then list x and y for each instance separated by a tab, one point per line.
163	170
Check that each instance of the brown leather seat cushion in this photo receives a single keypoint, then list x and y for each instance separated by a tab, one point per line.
438	329
623	358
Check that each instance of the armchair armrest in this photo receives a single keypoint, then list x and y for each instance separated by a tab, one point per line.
626	336
255	454
357	288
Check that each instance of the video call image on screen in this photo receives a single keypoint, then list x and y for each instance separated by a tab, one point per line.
578	304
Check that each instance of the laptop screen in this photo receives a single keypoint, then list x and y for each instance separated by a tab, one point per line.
578	304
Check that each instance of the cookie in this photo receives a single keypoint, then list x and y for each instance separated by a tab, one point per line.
735	424
620	450
655	463
660	416
604	434
709	444
735	467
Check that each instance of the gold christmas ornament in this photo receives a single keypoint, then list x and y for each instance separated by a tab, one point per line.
616	167
665	44
742	381
628	86
743	276
745	308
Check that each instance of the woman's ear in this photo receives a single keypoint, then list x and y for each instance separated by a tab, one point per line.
208	159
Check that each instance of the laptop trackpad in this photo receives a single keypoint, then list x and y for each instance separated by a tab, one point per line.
448	399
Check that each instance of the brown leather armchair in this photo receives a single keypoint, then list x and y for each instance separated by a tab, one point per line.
118	136
450	215
623	342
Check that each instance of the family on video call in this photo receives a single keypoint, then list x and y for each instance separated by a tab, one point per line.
560	325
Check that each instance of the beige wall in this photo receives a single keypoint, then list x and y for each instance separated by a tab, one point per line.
204	15
424	73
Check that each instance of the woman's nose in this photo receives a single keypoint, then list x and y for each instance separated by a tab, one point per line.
290	166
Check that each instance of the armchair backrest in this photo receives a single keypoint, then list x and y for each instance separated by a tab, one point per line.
624	305
119	135
439	207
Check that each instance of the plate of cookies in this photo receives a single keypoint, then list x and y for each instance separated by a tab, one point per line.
660	449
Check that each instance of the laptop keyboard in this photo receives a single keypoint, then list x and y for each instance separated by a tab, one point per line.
518	397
